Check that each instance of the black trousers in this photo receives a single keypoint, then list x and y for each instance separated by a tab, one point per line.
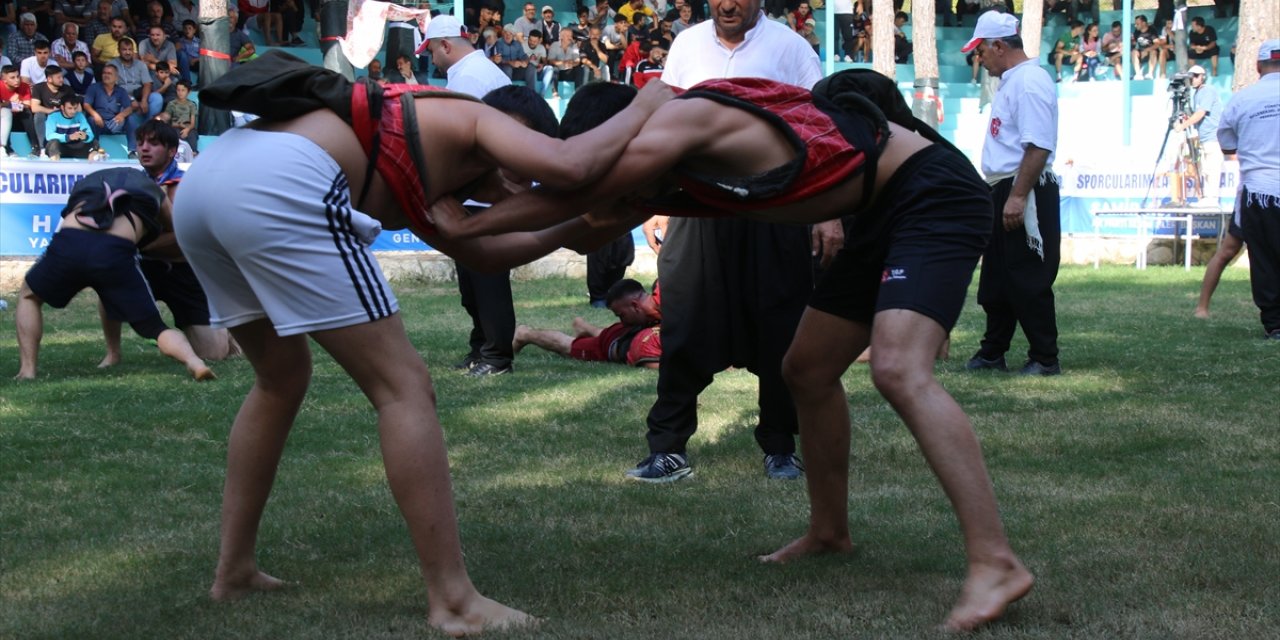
1016	286
733	291
1260	222
607	265
487	299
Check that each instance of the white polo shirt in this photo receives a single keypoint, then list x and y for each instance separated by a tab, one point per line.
31	68
769	50
1025	112
475	75
1251	125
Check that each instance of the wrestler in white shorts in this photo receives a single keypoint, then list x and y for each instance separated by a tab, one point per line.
265	220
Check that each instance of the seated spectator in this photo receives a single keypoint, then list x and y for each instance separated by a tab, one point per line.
181	113
110	109
157	50
797	18
1091	54
634	340
861	31
807	32
15	109
374	70
527	22
651	67
582	29
542	69
698	14
289	24
1112	47
1202	44
136	79
240	46
68	44
1163	45
630	8
184	10
22	43
403	73
99	25
635	53
595	58
1067	49
663	32
80	76
31	69
155	18
684	20
902	47
639	30
512	60
615	42
106	47
601	14
1144	48
260	11
96	246
164	85
188	50
68	133
550	27
47	98
566	57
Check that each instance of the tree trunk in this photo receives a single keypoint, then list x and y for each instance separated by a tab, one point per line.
1032	26
1257	22
925	103
215	61
882	38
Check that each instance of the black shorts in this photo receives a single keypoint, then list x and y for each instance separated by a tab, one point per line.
1205	55
916	247
76	259
1234	229
175	284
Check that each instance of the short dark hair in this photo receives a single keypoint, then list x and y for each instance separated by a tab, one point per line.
184	83
903	15
622	290
1117	23
8	68
1014	41
52	69
157	131
73	99
525	104
1076	23
1197	21
535	32
79	54
620	18
40	44
592	105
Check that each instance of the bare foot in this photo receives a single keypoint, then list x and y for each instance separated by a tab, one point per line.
202	373
110	360
480	614
234	588
25	375
986	593
1202	313
521	338
807	545
580	326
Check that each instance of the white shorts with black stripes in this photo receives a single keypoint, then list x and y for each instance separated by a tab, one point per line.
266	220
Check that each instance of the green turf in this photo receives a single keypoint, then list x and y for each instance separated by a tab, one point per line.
1141	487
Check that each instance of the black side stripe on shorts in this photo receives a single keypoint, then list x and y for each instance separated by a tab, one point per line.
360	269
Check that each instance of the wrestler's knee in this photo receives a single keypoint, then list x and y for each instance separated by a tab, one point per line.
896	374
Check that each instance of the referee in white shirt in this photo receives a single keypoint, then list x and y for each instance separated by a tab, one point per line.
733	290
1020	264
1250	129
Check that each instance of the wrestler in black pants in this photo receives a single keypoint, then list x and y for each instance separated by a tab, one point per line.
487	299
1016	286
1260	222
607	265
733	291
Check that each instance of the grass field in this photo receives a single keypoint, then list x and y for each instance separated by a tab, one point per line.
1142	487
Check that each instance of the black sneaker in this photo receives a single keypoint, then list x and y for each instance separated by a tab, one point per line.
979	363
783	466
485	370
1274	335
465	364
1034	368
661	467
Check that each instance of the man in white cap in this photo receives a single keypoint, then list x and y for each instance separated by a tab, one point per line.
466	67
1250	129
1206	110
1020	264
485	296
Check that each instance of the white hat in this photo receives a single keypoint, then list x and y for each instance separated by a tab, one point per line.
992	25
1269	51
445	26
1196	70
548	8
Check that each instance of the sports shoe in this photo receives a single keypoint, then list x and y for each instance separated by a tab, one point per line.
464	365
1034	368
783	466
978	363
1274	335
661	467
485	370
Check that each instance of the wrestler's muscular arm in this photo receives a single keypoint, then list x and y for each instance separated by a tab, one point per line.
665	139
565	164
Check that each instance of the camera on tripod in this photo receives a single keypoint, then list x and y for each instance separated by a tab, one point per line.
1180	92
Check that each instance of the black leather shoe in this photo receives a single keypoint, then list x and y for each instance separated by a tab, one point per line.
485	370
979	363
1033	368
